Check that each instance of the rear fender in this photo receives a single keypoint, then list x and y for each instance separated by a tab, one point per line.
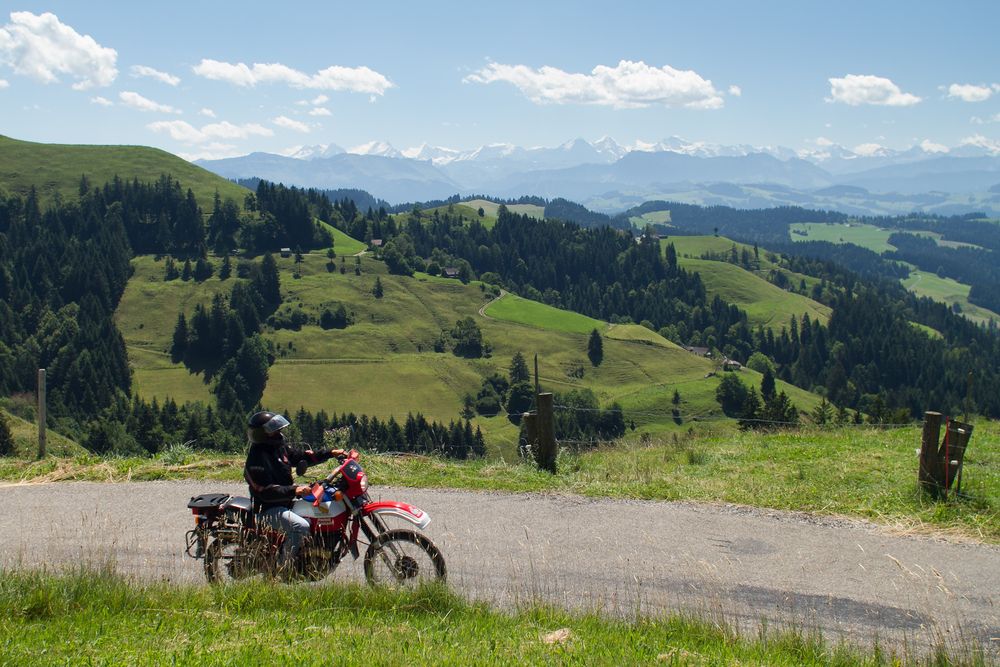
387	508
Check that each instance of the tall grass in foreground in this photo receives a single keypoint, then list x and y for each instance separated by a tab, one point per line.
96	617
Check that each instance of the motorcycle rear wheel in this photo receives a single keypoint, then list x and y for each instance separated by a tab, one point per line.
403	559
229	560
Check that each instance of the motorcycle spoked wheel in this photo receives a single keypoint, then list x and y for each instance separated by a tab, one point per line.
229	560
403	559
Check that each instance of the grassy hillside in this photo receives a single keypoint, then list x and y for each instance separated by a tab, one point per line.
26	439
874	238
56	169
384	363
951	292
765	303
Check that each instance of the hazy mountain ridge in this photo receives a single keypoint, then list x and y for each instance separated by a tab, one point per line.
608	176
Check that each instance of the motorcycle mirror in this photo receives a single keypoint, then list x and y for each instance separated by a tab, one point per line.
300	468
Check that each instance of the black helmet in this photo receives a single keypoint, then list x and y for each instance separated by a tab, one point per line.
265	427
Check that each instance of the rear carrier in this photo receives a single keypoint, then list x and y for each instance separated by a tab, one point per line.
216	514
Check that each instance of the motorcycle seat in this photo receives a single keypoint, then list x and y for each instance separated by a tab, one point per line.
208	500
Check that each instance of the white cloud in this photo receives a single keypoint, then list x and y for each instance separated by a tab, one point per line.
628	85
968	92
137	101
979	141
857	89
976	120
142	70
335	77
205	111
929	146
823	141
319	99
187	133
103	101
735	91
868	150
286	122
41	47
4	84
212	151
320	111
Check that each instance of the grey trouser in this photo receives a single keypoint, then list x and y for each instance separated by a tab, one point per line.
292	525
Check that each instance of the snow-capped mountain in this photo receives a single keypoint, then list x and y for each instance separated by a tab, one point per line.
605	174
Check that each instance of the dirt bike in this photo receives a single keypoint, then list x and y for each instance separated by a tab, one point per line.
235	545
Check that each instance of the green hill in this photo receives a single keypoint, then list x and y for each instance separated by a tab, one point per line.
766	304
57	168
384	363
26	439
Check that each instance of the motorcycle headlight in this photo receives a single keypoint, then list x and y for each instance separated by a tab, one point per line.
364	483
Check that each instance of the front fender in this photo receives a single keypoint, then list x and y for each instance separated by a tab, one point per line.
410	513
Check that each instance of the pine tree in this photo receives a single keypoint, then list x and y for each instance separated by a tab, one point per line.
377	290
518	369
595	348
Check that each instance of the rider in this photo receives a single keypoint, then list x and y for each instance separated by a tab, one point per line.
268	471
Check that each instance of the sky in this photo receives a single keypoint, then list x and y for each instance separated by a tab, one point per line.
218	79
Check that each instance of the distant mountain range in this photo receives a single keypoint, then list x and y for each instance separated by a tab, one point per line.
607	176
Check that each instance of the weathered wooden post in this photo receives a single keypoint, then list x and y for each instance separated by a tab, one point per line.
530	421
546	433
41	413
952	453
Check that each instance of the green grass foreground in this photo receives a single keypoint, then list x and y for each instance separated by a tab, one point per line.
857	472
100	618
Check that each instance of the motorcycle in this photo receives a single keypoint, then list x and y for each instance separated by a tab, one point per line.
235	544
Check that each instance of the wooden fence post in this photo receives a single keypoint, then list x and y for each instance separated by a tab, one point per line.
530	421
546	433
41	413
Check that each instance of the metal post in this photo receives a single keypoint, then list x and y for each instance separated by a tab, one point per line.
41	413
546	433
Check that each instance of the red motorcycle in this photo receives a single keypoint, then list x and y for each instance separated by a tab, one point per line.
342	516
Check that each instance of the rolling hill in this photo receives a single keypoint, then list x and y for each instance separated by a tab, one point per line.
384	363
56	169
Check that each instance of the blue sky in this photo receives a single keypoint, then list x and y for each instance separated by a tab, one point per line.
223	78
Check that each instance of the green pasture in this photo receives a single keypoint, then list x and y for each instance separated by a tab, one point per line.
25	434
766	304
524	311
344	244
651	218
491	208
383	363
57	168
950	292
867	236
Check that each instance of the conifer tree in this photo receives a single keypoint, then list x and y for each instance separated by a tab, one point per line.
595	348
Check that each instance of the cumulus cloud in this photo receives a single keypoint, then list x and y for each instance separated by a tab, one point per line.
102	101
857	89
43	48
976	120
187	133
979	141
163	77
286	122
137	101
212	151
823	141
205	111
352	79
735	91
968	92
929	146
4	84
627	85
320	111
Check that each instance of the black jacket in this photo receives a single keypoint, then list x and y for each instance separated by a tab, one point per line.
268	471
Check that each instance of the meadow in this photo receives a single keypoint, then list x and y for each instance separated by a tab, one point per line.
97	617
948	291
384	363
874	238
55	169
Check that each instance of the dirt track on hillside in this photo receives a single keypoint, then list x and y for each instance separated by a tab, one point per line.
851	580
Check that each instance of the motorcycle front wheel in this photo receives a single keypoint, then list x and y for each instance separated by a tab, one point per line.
403	559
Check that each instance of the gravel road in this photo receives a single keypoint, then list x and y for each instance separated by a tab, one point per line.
852	580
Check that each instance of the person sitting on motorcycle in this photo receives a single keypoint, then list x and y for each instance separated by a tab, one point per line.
268	472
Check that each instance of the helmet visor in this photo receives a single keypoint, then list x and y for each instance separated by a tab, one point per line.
275	424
